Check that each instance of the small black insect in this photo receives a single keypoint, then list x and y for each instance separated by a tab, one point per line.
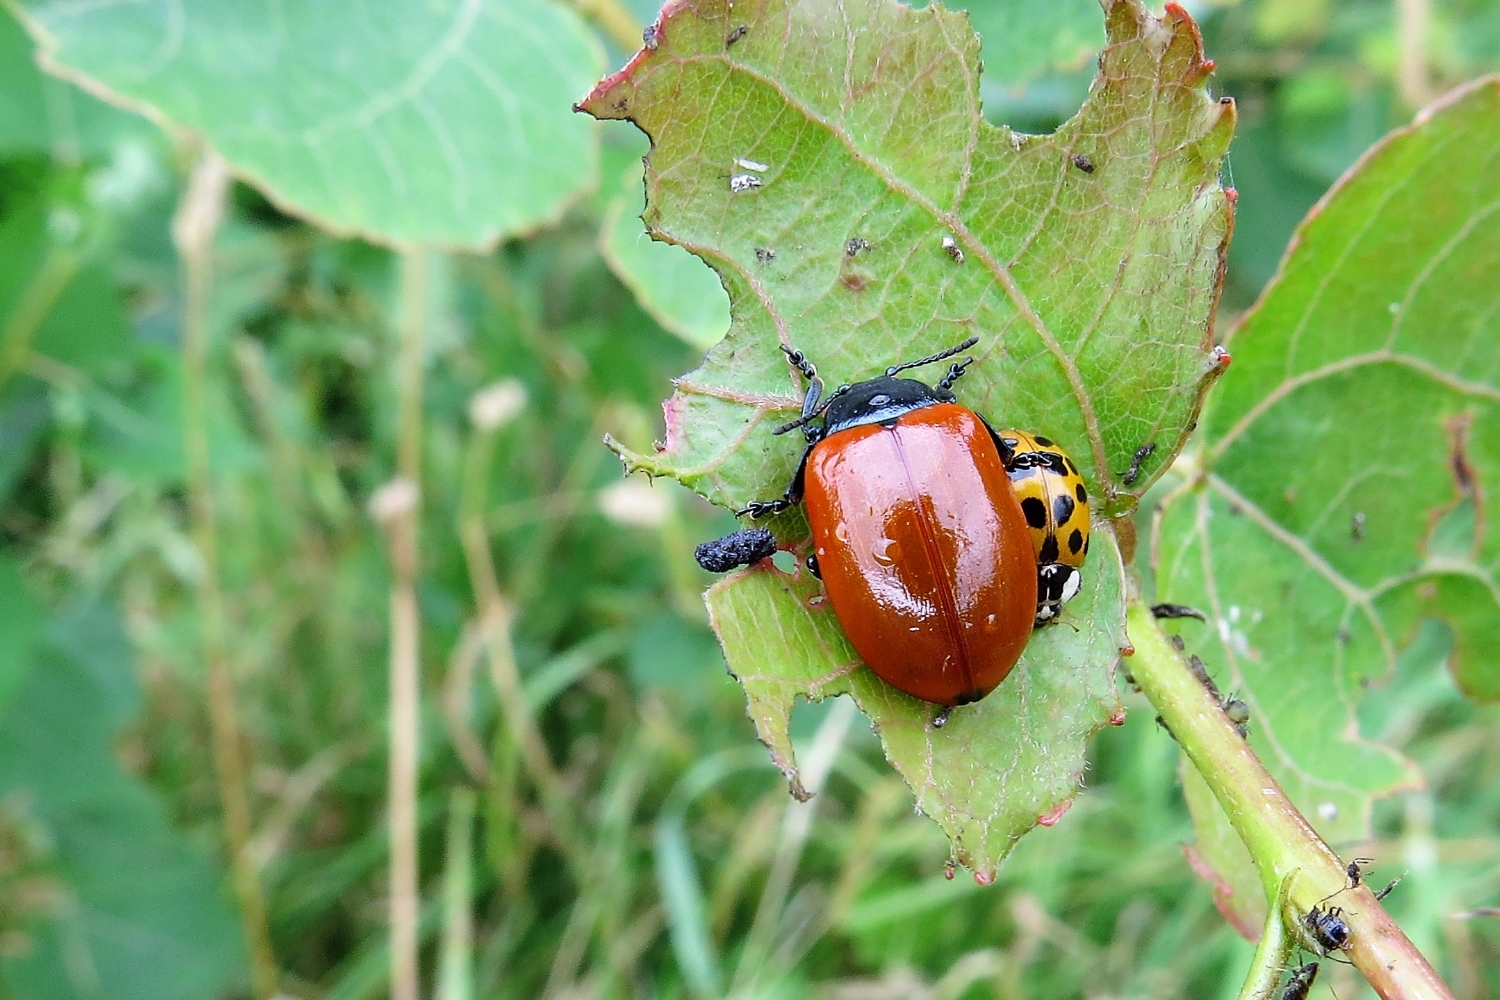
1201	672
736	35
1134	472
1238	714
1356	871
764	255
855	245
651	37
1083	163
740	548
1300	982
1389	887
1177	611
952	249
1327	928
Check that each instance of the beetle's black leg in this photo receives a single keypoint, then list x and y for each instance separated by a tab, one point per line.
765	508
789	499
812	565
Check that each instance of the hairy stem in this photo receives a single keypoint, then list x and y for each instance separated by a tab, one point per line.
1296	867
397	507
193	229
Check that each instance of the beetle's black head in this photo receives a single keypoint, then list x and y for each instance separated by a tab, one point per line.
879	401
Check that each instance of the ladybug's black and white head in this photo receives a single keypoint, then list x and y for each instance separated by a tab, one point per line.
879	401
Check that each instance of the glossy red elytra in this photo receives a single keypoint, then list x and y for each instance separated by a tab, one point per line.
918	535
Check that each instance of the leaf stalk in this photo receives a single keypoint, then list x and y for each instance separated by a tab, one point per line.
193	227
1297	869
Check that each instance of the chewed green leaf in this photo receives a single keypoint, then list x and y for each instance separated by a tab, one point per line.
312	101
1348	485
998	767
830	161
1088	261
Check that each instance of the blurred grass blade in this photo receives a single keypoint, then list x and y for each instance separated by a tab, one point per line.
558	674
677	873
456	964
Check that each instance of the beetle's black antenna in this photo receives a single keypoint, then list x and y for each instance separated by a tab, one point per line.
940	356
955	370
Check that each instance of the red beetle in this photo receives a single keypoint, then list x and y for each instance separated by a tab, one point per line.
918	536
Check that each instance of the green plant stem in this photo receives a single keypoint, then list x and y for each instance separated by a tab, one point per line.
26	319
1294	863
1272	954
1413	81
193	230
405	662
616	21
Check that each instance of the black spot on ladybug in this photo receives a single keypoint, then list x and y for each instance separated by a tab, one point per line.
1075	541
1081	493
1086	544
1048	552
1044	442
1068	463
1035	511
1062	509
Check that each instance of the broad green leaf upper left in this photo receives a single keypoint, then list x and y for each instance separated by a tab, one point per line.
438	123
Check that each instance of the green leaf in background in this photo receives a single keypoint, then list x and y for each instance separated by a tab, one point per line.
438	123
1346	488
20	624
1090	269
135	911
1023	41
40	114
669	283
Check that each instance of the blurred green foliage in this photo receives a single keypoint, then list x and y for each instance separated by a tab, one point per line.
683	871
